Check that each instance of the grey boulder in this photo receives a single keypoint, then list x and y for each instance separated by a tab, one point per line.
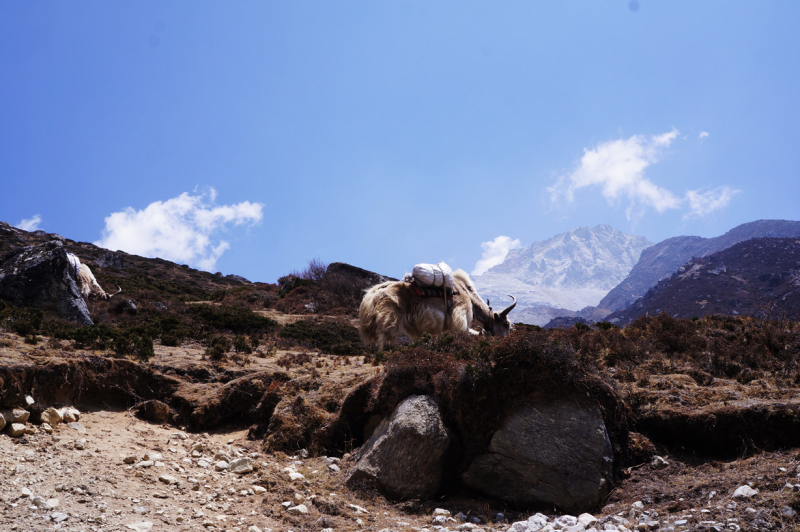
405	455
39	276
552	450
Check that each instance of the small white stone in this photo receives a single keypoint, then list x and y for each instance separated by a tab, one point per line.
80	444
744	492
441	511
168	479
294	475
140	527
26	492
259	490
222	465
145	464
299	509
335	468
152	456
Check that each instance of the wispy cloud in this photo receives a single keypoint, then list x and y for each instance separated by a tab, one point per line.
618	168
702	135
178	229
494	252
704	203
30	224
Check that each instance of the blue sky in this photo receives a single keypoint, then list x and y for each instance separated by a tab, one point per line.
249	137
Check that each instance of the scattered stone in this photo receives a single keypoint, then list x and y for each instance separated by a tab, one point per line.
70	414
301	509
222	465
51	416
259	489
744	492
253	528
77	426
59	517
405	454
335	468
129	459
80	444
294	475
25	492
29	400
39	502
180	436
145	464
588	520
659	462
47	428
537	522
358	509
152	456
168	479
241	466
140	527
441	511
15	430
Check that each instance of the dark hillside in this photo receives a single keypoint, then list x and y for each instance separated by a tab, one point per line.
758	277
661	260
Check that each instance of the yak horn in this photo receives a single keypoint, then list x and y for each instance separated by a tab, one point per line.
509	309
115	293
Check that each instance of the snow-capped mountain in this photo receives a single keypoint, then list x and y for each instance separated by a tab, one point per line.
570	271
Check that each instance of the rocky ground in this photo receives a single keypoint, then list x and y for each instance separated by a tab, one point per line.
113	471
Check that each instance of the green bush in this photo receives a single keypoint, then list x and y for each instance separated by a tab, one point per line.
241	345
237	320
23	321
219	346
328	337
131	343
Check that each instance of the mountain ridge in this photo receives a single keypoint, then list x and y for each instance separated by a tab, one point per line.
663	259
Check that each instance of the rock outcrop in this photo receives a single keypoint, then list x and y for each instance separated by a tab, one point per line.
405	455
110	260
38	276
552	450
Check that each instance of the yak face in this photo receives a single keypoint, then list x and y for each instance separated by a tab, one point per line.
500	325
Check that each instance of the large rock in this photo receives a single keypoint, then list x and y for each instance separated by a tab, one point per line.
552	450
39	276
110	259
405	455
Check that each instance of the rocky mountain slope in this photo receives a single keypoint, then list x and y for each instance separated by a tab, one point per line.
758	277
663	259
569	271
276	377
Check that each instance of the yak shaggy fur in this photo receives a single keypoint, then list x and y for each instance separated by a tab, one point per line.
393	309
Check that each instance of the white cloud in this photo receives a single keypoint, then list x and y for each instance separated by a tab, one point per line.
618	168
702	135
30	224
704	203
494	252
178	229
